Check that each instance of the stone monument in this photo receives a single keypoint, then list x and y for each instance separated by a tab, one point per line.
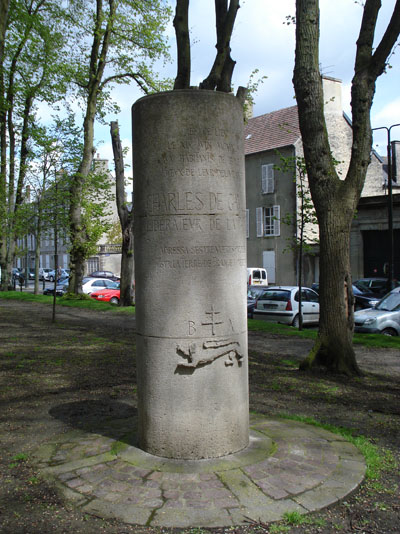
190	265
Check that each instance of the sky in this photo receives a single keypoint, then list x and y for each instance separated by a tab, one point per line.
263	40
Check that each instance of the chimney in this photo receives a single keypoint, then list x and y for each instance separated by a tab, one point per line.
100	165
332	88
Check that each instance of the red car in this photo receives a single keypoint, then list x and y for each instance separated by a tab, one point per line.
107	295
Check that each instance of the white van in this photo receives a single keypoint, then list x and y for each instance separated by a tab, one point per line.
257	276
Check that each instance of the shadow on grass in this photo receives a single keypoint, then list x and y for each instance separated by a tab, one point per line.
110	418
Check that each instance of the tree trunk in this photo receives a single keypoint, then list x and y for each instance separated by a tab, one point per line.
333	348
78	231
181	25
4	7
221	72
127	267
126	220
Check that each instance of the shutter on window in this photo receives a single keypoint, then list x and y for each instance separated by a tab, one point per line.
270	178
264	179
277	220
267	178
259	222
247	223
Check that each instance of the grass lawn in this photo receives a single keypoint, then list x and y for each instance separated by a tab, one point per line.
84	301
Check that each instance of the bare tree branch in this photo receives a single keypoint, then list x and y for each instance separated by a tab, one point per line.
221	72
388	41
181	25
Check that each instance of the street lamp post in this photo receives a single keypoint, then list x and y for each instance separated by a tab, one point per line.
390	204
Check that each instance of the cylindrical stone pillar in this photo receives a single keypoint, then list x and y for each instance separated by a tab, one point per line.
190	270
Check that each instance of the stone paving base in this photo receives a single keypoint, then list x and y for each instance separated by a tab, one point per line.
289	466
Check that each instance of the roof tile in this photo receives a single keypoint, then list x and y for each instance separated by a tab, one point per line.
272	130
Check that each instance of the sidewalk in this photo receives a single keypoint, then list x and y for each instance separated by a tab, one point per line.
288	467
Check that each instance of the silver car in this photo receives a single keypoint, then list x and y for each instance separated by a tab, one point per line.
281	305
383	318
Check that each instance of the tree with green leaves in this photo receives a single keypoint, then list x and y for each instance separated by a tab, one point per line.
303	220
4	10
30	74
125	38
336	199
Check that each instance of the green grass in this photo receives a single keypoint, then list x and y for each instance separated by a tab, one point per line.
71	301
376	459
296	519
17	459
68	300
367	340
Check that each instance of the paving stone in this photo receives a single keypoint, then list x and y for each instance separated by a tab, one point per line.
128	514
309	469
184	518
244	489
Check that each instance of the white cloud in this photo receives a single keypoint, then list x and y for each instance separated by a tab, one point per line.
263	40
388	115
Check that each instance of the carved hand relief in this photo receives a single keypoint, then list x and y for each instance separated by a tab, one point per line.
212	349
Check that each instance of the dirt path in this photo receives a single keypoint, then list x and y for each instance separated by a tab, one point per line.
54	377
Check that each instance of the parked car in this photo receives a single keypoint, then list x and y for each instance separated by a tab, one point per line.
16	274
104	274
31	274
253	292
362	299
61	289
44	273
377	286
53	273
111	295
383	318
281	305
257	276
89	285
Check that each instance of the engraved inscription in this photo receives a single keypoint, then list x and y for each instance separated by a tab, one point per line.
174	224
205	249
200	263
193	257
185	202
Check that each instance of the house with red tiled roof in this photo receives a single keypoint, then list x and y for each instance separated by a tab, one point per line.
272	198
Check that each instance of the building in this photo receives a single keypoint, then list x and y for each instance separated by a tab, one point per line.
108	256
272	189
370	238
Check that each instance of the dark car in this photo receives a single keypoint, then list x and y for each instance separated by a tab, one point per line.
376	286
253	292
16	274
362	299
104	274
61	289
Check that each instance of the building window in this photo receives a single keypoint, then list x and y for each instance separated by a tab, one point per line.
267	178
268	221
247	223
